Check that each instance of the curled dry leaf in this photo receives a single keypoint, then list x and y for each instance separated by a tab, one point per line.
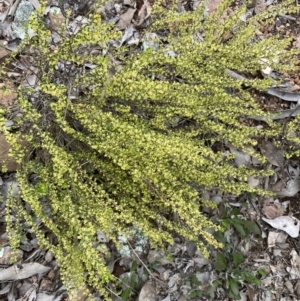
241	158
148	292
6	288
253	181
56	18
144	13
260	6
30	295
287	96
272	153
7	96
292	187
173	283
3	52
125	19
212	5
275	238
285	223
250	292
129	31
271	211
6	254
288	284
158	256
294	270
297	289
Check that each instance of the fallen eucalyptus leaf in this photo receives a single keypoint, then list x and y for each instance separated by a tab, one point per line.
25	270
241	158
271	211
294	270
129	31
278	115
291	188
272	153
144	13
287	96
148	292
125	19
285	223
275	238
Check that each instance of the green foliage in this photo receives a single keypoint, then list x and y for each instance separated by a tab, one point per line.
230	263
235	274
134	146
130	283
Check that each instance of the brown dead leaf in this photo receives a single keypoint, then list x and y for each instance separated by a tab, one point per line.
7	254
3	53
51	275
297	289
250	291
271	211
125	19
272	153
148	292
260	6
56	19
288	284
212	5
7	97
143	14
295	264
4	158
79	294
276	239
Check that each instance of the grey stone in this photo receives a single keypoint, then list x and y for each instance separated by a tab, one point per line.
20	24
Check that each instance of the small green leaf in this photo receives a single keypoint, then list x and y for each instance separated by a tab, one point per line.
42	188
234	287
125	295
238	258
252	226
228	247
221	262
235	211
133	266
262	272
249	277
133	280
225	223
195	280
195	293
227	283
219	236
238	226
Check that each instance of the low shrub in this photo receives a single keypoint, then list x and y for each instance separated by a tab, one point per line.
118	136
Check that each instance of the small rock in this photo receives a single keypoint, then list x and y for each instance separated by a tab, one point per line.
148	292
49	256
22	14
